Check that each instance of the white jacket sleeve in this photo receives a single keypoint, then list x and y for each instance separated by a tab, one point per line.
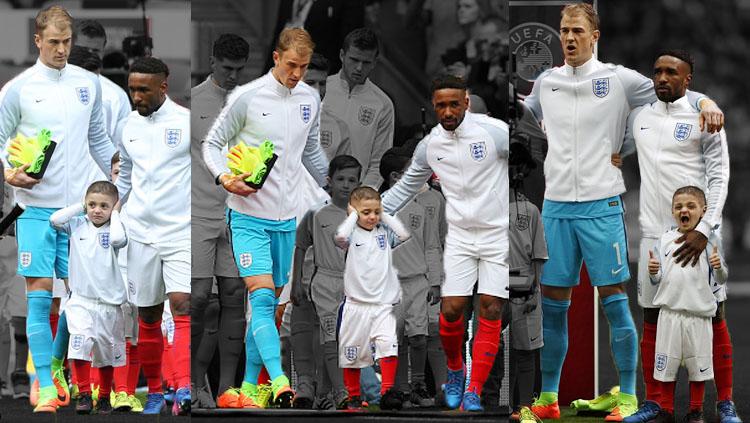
344	230
117	236
397	226
61	218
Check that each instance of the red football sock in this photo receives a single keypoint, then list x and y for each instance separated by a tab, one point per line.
54	319
167	358
388	366
150	347
351	381
452	337
134	368
486	345
181	351
666	396
722	361
263	377
73	374
94	377
83	372
105	380
121	373
648	351
697	391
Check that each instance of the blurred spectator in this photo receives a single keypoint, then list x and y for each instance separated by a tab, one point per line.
327	21
470	15
90	34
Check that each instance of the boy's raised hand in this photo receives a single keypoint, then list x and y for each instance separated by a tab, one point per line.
714	259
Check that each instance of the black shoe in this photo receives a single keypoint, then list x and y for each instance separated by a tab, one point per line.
354	403
664	416
694	416
419	395
85	404
103	406
19	379
302	403
391	400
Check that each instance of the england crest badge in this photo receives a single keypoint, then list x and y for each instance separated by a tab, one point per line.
104	239
478	151
25	258
600	86
246	259
351	353
366	115
305	112
381	241
661	362
76	342
682	131
83	95
172	137
415	221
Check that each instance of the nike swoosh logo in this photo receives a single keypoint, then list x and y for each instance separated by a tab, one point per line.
615	272
667	255
555	89
117	357
703	370
726	356
39	101
440	158
133	139
534	339
265	114
325	226
359	245
643	128
204	117
82	239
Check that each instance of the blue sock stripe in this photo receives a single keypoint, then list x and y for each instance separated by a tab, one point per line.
39	334
555	331
60	343
623	338
263	302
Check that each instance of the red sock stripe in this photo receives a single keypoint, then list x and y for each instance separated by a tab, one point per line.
167	359
121	373
105	380
351	380
697	391
648	351
263	377
83	372
54	319
388	366
723	361
181	351
452	338
666	400
486	346
134	369
150	348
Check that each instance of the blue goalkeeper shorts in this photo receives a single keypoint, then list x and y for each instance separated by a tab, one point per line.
261	246
42	250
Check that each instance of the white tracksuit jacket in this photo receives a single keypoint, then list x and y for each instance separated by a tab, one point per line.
672	153
155	170
585	110
262	110
68	102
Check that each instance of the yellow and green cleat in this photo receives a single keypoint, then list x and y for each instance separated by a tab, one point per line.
603	404
282	392
47	402
627	405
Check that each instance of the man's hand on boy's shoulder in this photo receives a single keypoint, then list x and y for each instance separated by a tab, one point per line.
693	245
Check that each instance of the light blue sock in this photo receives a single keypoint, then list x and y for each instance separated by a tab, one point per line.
253	362
60	344
263	302
623	338
39	335
555	330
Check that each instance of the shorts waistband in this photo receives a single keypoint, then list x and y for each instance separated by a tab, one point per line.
329	272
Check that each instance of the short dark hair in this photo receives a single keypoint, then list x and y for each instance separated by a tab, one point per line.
363	39
319	62
691	190
231	47
85	58
91	29
393	160
149	65
103	187
364	193
448	81
680	54
343	161
115	158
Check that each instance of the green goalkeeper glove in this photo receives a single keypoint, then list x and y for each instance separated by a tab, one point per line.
252	160
29	151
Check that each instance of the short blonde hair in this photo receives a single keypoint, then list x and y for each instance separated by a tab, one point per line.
55	15
584	9
363	193
296	38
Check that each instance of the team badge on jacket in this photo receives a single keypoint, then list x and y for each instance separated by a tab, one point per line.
172	137
351	353
600	87
76	342
381	241
366	115
478	151
682	131
305	111
104	239
414	221
83	95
